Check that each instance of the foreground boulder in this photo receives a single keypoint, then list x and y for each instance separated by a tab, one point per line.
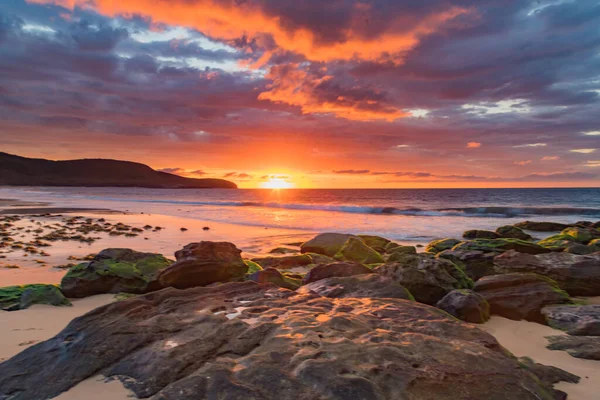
377	243
358	286
13	298
575	320
576	274
115	271
427	278
502	245
335	269
520	296
510	231
437	246
541	226
465	305
586	347
204	263
253	342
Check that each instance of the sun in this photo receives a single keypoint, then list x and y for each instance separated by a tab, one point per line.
276	182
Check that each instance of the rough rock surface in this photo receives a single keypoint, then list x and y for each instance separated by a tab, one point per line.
510	231
356	250
502	245
475	263
520	296
480	234
582	235
271	275
578	275
587	347
398	252
575	320
252	342
13	298
547	373
437	246
465	305
286	262
427	278
335	269
115	271
358	286
328	244
377	243
541	226
204	263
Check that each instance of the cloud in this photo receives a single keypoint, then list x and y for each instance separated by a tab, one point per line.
593	164
582	151
352	171
176	171
550	158
532	145
592	133
238	175
473	145
527	162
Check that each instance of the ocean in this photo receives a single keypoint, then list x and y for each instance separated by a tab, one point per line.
416	215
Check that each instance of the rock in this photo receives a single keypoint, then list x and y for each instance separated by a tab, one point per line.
328	244
356	250
581	249
586	347
576	320
480	234
358	286
595	242
286	262
475	263
581	235
204	263
113	271
398	252
257	342
13	298
541	226
271	275
510	231
282	250
252	266
320	258
465	305
335	269
520	296
427	278
501	245
437	246
547	373
576	274
377	243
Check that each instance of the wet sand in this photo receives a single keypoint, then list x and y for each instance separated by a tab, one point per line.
524	338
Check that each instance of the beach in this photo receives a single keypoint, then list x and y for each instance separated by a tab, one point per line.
168	234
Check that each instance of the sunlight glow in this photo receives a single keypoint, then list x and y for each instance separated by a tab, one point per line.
277	183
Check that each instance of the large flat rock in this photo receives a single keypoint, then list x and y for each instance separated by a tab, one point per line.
250	341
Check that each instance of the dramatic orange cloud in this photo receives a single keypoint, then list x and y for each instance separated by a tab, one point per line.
233	19
473	145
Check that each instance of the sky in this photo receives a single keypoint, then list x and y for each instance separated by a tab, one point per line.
312	93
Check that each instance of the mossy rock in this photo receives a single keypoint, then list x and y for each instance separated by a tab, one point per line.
512	232
480	234
503	244
14	298
356	250
377	243
252	266
437	246
400	251
114	271
328	244
581	235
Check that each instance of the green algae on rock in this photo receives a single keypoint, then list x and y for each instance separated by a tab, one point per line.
356	250
113	271
437	246
512	232
502	244
14	298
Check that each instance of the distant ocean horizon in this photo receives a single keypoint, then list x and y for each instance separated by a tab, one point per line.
399	214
